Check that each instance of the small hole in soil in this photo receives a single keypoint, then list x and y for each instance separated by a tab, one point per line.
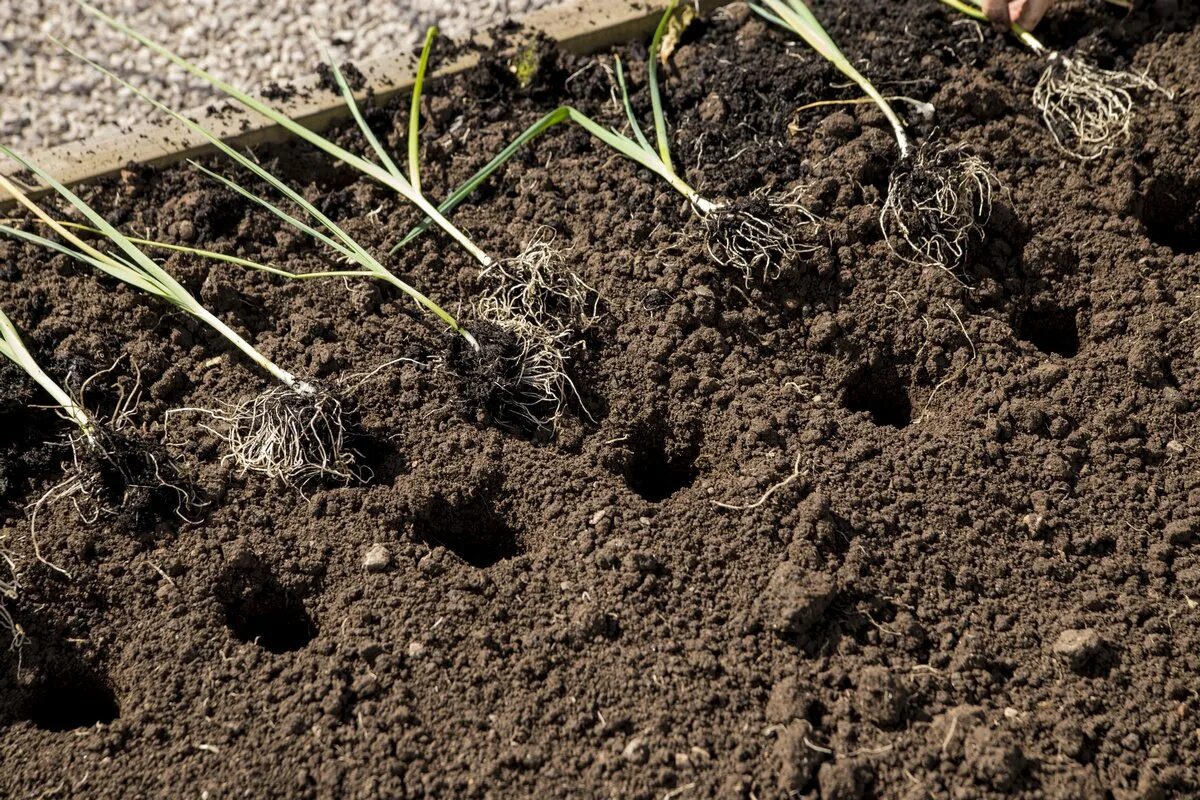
260	610
877	390
72	699
1051	329
1171	212
474	532
656	474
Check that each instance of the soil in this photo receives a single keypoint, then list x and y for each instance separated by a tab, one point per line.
981	579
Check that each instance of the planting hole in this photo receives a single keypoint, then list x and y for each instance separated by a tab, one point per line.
70	700
655	474
1171	212
877	390
1051	329
258	609
474	532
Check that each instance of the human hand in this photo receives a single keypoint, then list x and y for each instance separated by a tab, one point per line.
1026	13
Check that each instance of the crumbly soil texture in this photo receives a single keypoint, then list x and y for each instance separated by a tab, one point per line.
977	576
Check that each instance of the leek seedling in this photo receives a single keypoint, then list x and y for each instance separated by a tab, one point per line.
534	299
112	469
294	432
741	233
1085	108
938	196
519	387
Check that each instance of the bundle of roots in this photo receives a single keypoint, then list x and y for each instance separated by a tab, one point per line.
757	234
295	434
1086	108
527	323
938	199
119	476
540	289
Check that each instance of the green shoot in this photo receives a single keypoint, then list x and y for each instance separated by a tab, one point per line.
1086	109
136	269
734	235
534	299
327	231
414	113
938	197
13	348
199	253
531	368
796	17
294	435
391	179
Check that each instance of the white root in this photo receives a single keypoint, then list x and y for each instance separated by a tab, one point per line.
935	204
1087	109
533	383
795	475
108	456
543	304
295	434
8	591
753	242
540	289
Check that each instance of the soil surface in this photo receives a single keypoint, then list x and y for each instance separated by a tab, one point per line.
982	579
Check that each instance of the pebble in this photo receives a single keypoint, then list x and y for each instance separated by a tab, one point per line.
377	559
49	98
636	751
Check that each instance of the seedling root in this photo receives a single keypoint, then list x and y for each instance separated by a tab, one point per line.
1086	108
116	474
754	235
534	306
937	200
295	434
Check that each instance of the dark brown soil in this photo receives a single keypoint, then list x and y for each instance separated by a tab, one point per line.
983	582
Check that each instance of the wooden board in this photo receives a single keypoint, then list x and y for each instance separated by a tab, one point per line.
581	26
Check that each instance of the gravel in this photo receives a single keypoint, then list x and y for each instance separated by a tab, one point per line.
48	98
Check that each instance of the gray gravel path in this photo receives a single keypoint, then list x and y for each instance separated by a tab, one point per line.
48	98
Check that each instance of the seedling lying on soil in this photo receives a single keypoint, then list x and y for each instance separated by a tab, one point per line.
294	432
525	360
1085	108
534	300
938	196
112	470
744	234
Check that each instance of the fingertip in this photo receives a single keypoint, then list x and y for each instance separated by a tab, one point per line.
997	12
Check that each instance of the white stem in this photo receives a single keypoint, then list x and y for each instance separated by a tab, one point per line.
258	358
428	209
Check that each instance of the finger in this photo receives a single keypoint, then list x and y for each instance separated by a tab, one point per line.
1033	12
997	12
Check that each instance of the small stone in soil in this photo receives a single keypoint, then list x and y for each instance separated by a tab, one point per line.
636	751
377	559
1078	647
